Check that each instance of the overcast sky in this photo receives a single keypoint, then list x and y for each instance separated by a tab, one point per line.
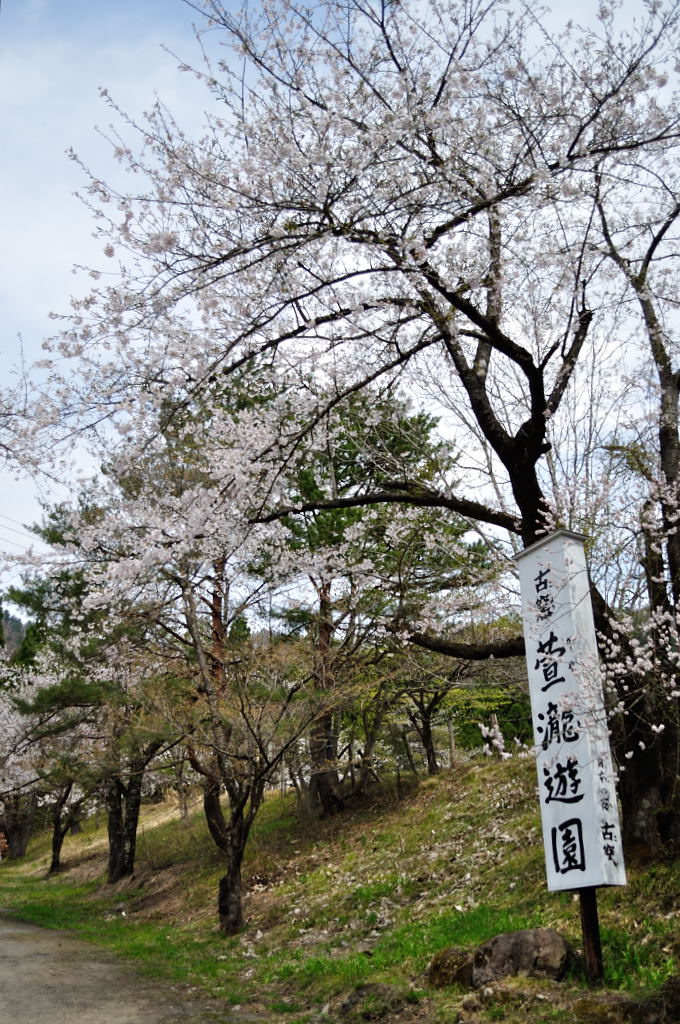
54	57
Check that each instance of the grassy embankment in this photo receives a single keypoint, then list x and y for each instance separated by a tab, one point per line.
367	897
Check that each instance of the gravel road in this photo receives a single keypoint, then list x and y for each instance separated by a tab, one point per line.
46	976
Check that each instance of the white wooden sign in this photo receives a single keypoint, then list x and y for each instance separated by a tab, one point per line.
581	832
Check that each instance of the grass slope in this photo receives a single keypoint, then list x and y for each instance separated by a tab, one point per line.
364	899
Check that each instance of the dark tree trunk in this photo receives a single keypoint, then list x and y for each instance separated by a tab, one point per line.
229	897
60	825
421	720
648	785
19	816
350	762
324	782
368	773
123	804
426	704
214	815
427	740
58	835
367	770
372	720
230	834
297	780
182	792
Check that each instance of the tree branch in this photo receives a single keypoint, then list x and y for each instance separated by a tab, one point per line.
470	652
407	495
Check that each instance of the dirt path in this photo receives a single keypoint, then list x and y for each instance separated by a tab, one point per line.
48	976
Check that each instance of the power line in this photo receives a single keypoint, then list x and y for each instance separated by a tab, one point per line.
10	520
22	533
15	543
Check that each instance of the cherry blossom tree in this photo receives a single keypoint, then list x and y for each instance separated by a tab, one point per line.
86	694
167	573
391	190
63	765
19	789
639	237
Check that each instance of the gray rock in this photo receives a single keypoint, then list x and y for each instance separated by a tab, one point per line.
537	952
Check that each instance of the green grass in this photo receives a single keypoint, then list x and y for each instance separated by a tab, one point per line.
407	948
369	896
634	964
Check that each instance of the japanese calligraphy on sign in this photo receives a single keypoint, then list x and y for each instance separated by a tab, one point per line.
581	832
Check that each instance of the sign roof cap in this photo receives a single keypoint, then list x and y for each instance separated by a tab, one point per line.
548	537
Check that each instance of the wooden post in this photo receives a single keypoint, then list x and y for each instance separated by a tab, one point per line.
592	946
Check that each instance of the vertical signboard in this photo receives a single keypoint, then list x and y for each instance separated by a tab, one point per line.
581	832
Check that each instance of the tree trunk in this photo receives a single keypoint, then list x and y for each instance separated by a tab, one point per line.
297	779
214	815
367	769
649	787
230	838
350	759
60	826
19	815
230	834
183	803
58	835
372	720
649	784
229	897
123	803
427	739
324	782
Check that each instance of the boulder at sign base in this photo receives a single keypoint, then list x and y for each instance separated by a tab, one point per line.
537	952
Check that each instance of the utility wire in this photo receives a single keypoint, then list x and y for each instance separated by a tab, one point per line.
9	518
22	533
15	543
